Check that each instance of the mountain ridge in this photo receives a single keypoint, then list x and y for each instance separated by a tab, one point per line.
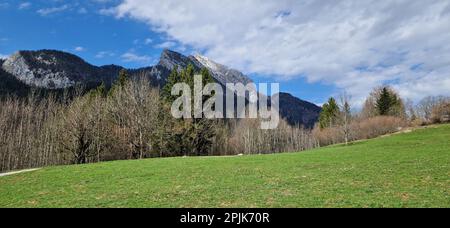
53	69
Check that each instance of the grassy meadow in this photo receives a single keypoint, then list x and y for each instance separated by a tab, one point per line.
402	170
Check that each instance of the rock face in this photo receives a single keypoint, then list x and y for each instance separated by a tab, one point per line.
49	69
169	59
222	73
55	70
9	85
159	73
18	66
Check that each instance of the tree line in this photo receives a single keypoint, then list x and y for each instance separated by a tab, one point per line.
130	120
383	112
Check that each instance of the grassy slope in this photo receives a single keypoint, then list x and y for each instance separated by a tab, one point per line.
405	170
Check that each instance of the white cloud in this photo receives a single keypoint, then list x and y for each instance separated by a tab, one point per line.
3	56
79	49
48	11
132	57
107	12
24	5
148	41
167	44
103	54
139	42
102	1
82	10
353	44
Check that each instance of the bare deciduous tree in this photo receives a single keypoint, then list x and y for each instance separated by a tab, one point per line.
134	109
428	104
345	116
77	133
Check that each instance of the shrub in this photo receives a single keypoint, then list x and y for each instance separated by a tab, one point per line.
328	136
441	113
377	126
360	129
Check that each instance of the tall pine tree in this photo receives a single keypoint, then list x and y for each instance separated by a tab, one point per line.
123	77
385	102
190	137
173	79
330	114
120	82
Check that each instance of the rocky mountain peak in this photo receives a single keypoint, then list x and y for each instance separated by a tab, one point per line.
38	68
205	61
222	73
51	69
169	59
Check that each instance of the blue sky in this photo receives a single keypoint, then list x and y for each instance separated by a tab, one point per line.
315	49
101	39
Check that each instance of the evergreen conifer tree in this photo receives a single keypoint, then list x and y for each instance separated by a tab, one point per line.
385	102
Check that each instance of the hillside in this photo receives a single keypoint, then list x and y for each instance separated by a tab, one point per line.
403	170
298	112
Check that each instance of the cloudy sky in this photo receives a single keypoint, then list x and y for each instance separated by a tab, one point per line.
316	49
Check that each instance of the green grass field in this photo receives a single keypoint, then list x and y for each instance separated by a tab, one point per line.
404	170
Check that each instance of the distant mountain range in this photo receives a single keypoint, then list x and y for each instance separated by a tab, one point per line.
52	70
